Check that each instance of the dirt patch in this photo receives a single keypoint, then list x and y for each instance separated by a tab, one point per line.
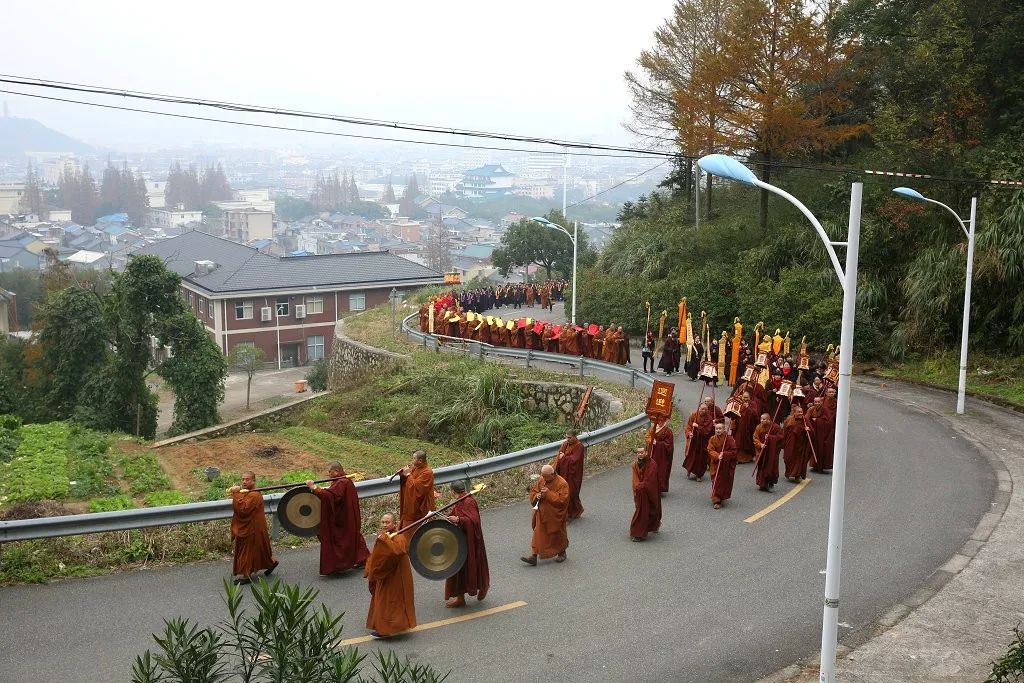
269	455
33	509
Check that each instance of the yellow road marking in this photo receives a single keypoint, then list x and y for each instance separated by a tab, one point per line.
444	622
780	502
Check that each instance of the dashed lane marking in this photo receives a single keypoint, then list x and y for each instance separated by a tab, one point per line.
444	622
779	503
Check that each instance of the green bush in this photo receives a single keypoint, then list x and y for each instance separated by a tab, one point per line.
298	476
318	375
10	436
161	498
39	469
143	473
110	504
89	469
297	638
1010	667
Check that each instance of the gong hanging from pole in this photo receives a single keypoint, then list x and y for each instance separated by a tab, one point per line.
298	511
438	549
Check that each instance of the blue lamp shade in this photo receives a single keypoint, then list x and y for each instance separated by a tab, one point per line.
727	167
909	194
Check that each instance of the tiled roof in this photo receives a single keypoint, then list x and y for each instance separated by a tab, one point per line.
489	170
241	268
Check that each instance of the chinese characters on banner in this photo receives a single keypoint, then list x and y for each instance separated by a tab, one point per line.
659	405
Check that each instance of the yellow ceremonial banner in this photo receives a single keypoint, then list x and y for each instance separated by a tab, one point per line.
511	324
683	332
490	320
469	316
499	322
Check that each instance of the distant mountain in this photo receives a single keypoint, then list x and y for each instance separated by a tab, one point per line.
22	136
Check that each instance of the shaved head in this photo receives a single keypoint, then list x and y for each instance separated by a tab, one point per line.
547	469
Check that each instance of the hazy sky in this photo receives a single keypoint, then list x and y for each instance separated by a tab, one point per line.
551	68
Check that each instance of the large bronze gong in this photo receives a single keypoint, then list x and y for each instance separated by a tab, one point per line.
298	511
438	549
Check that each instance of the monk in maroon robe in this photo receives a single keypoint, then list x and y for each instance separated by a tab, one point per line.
722	457
568	465
249	531
796	445
661	442
586	342
474	578
713	410
767	440
699	428
342	545
646	497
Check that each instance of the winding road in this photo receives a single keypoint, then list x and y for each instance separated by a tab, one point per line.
710	598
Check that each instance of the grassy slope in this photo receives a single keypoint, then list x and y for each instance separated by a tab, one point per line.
999	376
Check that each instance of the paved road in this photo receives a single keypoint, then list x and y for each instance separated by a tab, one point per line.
709	599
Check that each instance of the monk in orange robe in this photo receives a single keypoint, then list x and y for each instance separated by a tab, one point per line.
249	531
610	349
550	498
392	607
646	497
722	456
342	545
598	344
474	578
568	465
416	495
568	342
662	444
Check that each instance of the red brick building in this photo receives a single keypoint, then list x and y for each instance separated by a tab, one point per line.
286	306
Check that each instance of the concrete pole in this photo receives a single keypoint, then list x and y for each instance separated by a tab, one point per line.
833	561
575	242
961	394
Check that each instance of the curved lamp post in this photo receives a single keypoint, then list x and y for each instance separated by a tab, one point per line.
727	167
572	237
968	230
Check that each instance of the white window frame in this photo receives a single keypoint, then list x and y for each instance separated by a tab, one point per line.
311	347
286	305
246	306
314	304
353	298
202	305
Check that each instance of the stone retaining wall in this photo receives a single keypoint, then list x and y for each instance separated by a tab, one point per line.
348	355
249	423
562	399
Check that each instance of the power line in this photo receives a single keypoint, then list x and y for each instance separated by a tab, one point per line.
314	131
609	189
280	111
566	145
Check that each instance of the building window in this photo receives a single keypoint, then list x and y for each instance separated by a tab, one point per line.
314	304
245	345
357	302
243	310
191	300
315	347
282	306
202	305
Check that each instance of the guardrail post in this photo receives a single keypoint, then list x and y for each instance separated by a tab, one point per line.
632	379
481	352
582	361
275	528
424	341
528	352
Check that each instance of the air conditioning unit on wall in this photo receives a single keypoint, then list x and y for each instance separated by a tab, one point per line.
300	310
266	314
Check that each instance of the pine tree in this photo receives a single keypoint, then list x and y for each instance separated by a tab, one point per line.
214	186
32	198
407	207
353	191
389	193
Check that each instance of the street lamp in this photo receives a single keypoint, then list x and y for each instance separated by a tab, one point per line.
726	167
575	243
968	229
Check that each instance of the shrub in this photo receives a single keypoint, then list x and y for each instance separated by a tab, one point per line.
39	469
143	473
161	498
317	375
296	639
110	504
10	436
1010	667
298	476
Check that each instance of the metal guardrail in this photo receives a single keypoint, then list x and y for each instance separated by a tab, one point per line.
121	520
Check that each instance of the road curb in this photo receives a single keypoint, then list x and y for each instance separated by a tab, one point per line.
807	666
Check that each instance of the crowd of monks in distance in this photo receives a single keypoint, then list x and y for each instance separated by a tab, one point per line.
459	315
778	405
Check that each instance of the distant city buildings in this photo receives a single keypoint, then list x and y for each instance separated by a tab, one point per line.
490	180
